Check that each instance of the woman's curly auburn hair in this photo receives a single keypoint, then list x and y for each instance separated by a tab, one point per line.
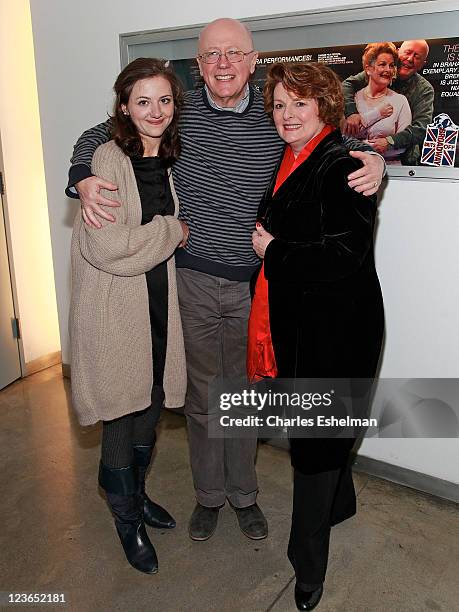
371	52
308	80
124	132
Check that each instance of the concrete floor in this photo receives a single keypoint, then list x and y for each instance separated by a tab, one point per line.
399	553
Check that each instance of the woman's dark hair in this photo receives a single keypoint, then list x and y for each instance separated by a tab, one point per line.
308	80
124	132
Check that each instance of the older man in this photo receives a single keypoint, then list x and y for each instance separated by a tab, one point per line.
412	56
229	151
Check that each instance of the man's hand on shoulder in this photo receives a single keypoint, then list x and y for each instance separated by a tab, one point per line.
367	179
92	200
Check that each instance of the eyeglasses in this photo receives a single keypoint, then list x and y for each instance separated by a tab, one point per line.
233	56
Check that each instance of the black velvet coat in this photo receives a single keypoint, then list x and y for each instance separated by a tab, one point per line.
325	304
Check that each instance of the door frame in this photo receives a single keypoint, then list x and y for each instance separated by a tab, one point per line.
4	199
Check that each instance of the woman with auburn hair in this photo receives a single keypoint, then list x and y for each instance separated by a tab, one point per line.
383	112
125	328
317	311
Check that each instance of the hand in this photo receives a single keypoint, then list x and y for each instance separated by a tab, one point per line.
380	145
260	240
352	125
386	110
367	179
92	201
186	233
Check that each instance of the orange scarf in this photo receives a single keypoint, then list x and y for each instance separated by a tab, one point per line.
261	361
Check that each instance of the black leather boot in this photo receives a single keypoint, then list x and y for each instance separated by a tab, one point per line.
120	485
154	515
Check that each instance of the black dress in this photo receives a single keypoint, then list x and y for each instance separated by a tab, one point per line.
156	199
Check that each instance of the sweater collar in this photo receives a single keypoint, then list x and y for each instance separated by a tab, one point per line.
240	106
227	111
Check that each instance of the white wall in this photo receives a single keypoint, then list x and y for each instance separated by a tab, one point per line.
77	56
418	266
25	183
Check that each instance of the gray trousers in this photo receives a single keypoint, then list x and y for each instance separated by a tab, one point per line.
214	315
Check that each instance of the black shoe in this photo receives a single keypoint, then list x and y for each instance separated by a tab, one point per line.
203	522
154	515
120	485
252	522
307	600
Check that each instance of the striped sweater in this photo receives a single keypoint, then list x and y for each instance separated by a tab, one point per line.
226	163
225	166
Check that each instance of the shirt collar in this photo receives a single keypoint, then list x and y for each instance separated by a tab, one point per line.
290	162
240	106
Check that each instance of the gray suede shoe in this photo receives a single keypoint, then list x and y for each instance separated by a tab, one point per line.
252	522
203	522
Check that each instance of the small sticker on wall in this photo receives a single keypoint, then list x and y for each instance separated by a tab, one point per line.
439	148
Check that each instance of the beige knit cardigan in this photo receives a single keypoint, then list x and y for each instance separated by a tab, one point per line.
110	335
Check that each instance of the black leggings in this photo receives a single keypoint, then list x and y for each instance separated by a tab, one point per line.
134	429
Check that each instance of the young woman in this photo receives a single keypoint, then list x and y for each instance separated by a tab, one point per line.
125	328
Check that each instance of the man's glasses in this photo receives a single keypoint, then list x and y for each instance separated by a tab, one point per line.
233	56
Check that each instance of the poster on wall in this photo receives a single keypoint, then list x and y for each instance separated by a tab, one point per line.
412	119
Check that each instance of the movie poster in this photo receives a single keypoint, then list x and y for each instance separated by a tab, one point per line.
434	128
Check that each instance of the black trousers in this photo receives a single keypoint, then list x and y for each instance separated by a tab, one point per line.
319	501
